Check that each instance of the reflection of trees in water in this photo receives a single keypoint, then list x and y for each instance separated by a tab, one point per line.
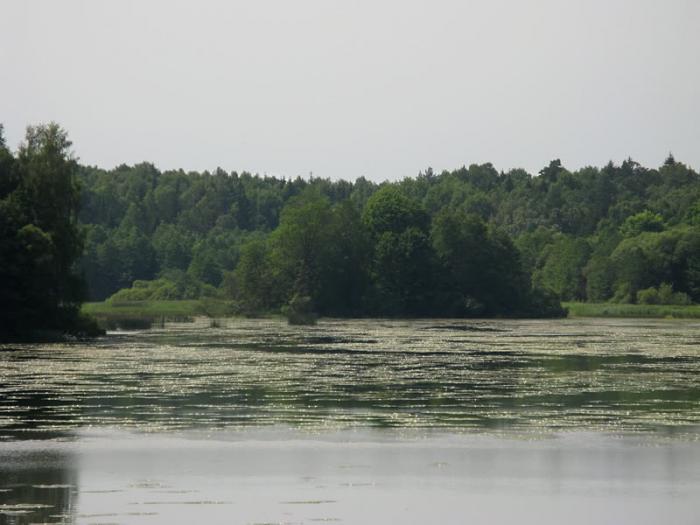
47	478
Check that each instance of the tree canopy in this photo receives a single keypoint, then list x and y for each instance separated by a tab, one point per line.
388	249
471	241
40	239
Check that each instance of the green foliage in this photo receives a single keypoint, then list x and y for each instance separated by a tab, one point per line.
174	285
147	309
299	310
599	274
252	284
560	267
300	244
9	178
692	216
650	259
39	236
577	309
318	251
471	241
388	210
114	260
648	296
480	269
543	304
532	244
664	294
645	221
401	267
402	273
316	262
431	245
173	246
194	222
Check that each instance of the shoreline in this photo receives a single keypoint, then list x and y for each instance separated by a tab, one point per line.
155	311
632	311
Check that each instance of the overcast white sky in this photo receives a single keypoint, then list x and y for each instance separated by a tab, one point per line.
377	88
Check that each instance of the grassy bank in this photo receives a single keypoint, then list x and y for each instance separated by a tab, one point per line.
144	308
144	314
632	310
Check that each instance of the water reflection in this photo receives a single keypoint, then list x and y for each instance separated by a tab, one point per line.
286	476
359	421
37	486
459	376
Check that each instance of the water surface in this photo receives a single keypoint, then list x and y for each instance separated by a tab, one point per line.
356	421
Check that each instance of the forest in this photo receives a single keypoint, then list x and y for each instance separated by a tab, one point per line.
470	242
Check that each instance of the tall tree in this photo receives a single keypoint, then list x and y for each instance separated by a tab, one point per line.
402	266
41	239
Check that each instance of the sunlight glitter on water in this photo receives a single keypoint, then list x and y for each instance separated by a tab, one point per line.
460	376
576	421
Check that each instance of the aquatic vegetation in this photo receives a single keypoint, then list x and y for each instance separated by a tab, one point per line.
465	376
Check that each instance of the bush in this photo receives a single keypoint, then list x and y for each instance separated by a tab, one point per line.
86	327
175	285
544	304
623	294
664	294
645	221
648	296
299	310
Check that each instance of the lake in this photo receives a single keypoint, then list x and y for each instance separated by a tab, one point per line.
361	421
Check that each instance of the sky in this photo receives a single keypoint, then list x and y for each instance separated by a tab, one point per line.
342	89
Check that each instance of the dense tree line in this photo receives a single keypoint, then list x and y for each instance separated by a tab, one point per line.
349	248
449	243
473	241
40	240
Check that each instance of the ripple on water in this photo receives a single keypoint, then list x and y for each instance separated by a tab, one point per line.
463	376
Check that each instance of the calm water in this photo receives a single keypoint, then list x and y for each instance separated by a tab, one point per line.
356	422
